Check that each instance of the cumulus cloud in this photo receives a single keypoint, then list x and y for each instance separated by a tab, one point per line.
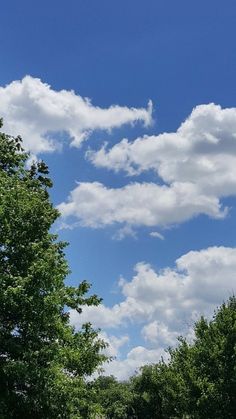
196	168
147	204
136	358
199	281
166	304
202	151
114	343
159	332
41	115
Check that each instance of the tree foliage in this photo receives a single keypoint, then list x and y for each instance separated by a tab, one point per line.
199	381
115	398
43	361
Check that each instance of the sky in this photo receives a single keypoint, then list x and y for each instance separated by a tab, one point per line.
132	106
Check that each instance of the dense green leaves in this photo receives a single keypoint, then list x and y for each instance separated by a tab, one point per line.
43	361
198	381
115	399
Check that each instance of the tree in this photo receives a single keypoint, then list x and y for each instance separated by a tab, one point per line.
199	381
115	398
43	361
212	365
157	392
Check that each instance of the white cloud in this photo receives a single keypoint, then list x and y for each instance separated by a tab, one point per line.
196	165
165	304
148	204
200	280
159	333
38	113
123	232
114	342
136	357
202	151
157	235
99	316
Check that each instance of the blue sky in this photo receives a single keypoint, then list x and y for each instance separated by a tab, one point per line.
146	190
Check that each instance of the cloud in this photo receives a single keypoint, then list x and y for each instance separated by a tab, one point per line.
100	317
41	115
202	151
199	281
138	204
123	232
136	357
114	342
196	168
166	304
156	332
157	235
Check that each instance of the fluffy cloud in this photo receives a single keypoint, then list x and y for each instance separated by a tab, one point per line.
165	304
114	342
38	113
196	167
157	331
200	280
136	358
202	152
148	204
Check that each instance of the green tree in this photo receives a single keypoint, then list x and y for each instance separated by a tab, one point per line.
43	361
157	392
199	381
115	398
211	370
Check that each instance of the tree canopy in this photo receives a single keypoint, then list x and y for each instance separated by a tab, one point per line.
198	381
43	360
